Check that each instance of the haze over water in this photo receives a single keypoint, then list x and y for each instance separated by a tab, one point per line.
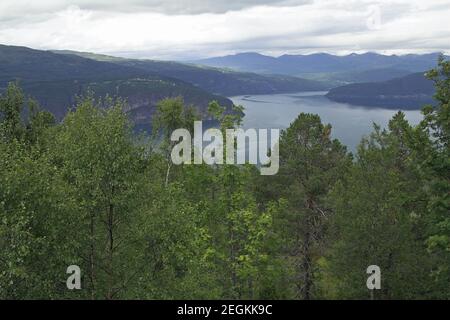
350	123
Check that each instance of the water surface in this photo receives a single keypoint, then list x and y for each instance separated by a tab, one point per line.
350	123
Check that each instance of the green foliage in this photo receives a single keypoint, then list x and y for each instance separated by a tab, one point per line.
310	164
11	107
435	159
379	209
226	120
89	192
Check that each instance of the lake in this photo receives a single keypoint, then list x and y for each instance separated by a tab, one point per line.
350	123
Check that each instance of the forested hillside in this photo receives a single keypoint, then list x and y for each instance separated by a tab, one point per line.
219	81
409	92
89	192
55	80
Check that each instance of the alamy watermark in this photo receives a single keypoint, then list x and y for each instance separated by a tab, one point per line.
373	20
74	280
374	280
234	149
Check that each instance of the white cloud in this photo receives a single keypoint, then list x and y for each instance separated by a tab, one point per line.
17	8
275	27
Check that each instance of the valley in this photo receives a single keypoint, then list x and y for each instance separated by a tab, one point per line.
56	78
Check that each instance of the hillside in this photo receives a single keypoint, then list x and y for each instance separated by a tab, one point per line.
218	81
409	92
227	82
56	79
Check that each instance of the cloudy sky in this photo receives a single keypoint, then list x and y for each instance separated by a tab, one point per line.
190	29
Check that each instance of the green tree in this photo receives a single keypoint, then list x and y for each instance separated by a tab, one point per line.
310	164
11	107
434	161
95	152
171	114
33	238
378	220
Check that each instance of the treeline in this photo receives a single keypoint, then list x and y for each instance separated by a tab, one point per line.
90	192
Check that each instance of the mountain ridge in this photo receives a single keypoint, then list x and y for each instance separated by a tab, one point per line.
56	80
215	80
330	67
409	92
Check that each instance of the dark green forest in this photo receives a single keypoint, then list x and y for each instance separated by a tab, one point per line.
88	191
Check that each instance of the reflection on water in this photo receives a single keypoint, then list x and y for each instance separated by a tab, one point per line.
350	123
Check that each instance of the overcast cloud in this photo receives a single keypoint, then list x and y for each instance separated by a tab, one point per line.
170	29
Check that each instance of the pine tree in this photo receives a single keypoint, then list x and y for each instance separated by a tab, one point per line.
310	164
379	209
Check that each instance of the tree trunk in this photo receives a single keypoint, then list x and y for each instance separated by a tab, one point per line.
167	174
110	251
306	265
92	256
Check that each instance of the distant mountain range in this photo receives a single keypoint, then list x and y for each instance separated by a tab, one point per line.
218	81
56	78
336	70
409	92
368	79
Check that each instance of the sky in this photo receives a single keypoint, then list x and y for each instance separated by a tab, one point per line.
194	29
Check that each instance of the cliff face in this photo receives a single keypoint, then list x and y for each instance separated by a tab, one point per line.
142	95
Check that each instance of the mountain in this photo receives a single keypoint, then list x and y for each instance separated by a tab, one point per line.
56	79
337	79
326	67
247	62
373	75
409	92
218	81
